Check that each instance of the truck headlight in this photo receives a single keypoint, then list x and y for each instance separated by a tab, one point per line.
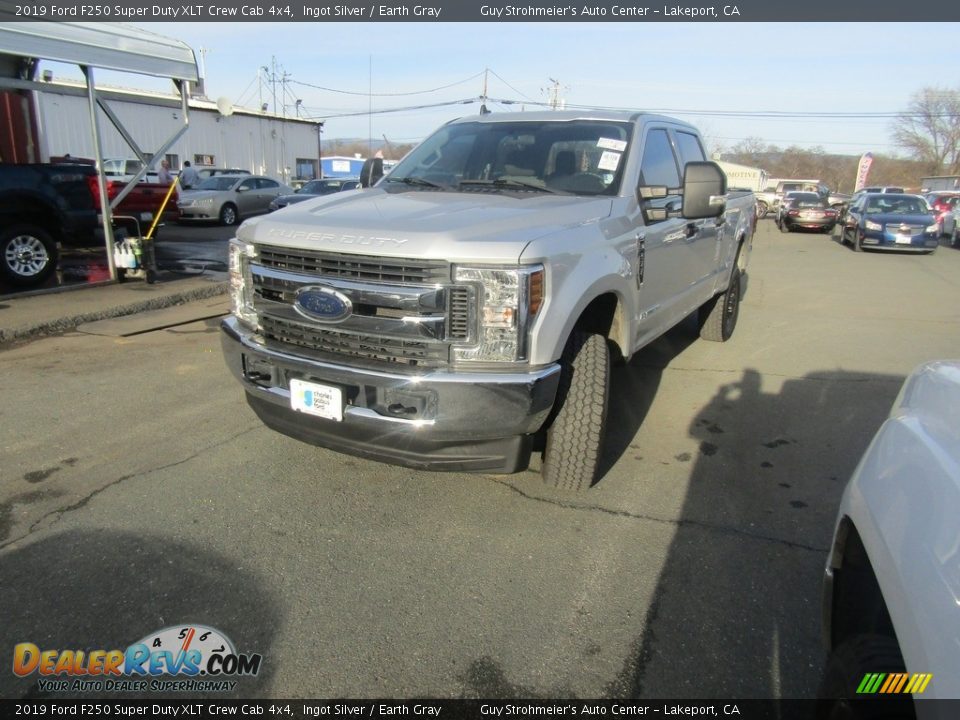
508	300
241	283
870	225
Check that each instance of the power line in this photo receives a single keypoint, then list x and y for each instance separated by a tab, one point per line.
398	94
385	111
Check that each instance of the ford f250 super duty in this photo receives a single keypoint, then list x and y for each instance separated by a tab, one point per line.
465	309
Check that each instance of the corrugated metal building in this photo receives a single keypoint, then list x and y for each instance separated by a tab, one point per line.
264	144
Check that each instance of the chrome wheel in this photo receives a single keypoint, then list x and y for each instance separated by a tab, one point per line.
26	256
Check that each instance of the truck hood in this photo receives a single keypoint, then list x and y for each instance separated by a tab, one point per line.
458	226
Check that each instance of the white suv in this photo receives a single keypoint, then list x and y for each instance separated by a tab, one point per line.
891	603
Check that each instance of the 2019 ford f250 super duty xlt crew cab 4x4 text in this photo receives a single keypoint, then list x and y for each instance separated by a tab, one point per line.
471	301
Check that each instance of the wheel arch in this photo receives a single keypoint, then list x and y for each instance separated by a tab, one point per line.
605	313
854	603
31	210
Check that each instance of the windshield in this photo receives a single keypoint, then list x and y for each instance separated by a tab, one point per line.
217	182
897	205
806	200
581	157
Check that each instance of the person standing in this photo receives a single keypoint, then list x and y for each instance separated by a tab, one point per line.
164	177
188	176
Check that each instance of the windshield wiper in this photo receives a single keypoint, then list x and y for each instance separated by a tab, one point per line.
506	182
417	181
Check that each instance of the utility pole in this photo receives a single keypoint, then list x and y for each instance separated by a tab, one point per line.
553	93
273	78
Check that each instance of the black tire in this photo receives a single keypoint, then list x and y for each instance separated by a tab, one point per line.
27	255
955	238
784	226
762	209
576	432
843	236
718	316
847	666
857	247
229	214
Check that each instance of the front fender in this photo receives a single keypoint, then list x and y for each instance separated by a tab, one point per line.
580	266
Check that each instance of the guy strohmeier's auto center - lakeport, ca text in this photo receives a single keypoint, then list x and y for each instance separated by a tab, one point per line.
284	11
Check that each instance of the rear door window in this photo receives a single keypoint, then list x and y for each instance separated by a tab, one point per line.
659	166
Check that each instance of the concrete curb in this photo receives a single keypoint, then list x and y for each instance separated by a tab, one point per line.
69	322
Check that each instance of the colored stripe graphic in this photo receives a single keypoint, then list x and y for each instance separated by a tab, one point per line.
894	683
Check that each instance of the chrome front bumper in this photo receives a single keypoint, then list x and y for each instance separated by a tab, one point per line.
439	420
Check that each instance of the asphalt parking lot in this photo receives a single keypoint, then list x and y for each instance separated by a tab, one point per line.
181	250
138	491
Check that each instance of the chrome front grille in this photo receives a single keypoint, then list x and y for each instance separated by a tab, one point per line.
368	268
403	311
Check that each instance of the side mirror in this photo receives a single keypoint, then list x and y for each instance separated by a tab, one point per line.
704	190
371	172
242	189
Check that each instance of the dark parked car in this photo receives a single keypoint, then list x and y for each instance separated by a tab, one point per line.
805	210
315	188
42	205
891	221
858	195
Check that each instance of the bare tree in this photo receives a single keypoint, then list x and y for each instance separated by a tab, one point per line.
930	129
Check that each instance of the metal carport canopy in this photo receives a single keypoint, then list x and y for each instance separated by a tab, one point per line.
118	47
111	47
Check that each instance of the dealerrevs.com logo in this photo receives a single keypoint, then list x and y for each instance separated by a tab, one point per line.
184	658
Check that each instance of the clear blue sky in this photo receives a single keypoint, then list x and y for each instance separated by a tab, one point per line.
696	68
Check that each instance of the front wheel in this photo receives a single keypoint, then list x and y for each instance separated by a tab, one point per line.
229	215
762	209
575	434
718	316
27	255
784	226
857	247
845	691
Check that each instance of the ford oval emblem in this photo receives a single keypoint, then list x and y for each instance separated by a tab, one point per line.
323	304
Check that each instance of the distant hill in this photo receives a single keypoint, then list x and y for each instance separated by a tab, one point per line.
837	171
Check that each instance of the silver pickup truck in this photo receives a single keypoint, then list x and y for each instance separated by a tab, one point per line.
465	309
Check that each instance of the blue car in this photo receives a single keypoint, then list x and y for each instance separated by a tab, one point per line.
891	221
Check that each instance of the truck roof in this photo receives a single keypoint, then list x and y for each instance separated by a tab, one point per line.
568	115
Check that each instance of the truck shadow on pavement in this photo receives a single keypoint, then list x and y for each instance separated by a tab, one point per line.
105	590
736	612
633	388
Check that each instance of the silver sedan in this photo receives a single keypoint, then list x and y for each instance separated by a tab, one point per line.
228	198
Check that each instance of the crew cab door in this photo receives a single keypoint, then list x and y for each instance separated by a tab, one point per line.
702	237
666	270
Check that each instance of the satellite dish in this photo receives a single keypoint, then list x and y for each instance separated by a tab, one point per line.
225	106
